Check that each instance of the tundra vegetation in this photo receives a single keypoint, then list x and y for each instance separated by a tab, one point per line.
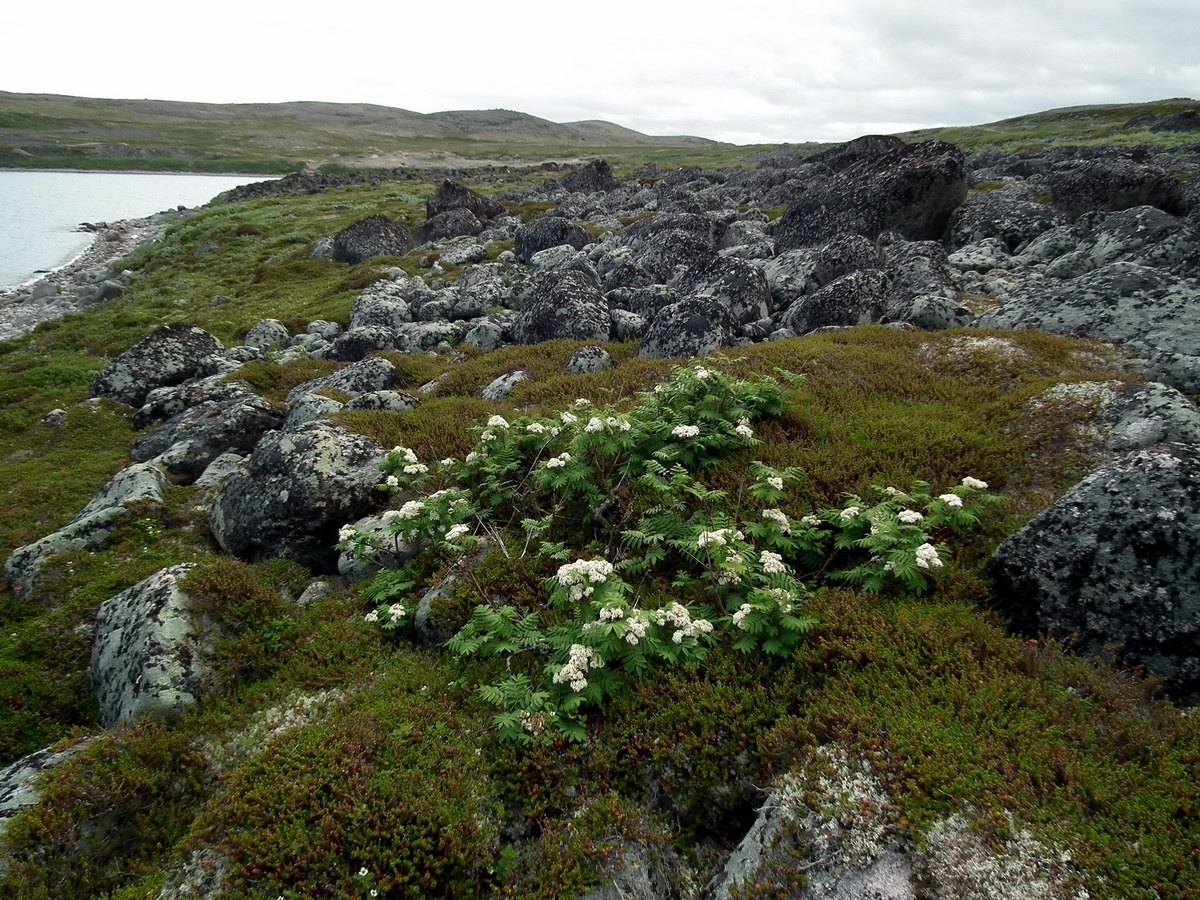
585	518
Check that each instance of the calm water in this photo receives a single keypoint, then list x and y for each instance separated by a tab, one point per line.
40	211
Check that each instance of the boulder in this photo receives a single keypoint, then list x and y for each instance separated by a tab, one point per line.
428	335
389	401
163	403
855	299
706	230
167	356
149	651
1144	235
485	335
309	407
19	781
269	334
373	374
879	184
550	231
387	550
451	223
91	529
502	386
844	254
916	269
373	236
789	275
563	304
1115	564
739	285
595	176
298	488
996	214
670	255
451	196
1153	311
589	359
355	344
187	443
689	327
1112	184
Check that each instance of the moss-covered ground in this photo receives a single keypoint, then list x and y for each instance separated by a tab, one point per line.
400	775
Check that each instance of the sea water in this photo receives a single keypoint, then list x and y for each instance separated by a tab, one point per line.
40	212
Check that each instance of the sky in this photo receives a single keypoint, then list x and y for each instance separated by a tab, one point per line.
747	71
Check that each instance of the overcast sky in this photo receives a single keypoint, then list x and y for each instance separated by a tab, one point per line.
747	71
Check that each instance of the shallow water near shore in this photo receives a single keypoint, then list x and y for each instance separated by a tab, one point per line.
40	212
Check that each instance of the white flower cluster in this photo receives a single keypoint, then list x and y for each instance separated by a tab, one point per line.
579	575
557	462
396	611
974	484
593	425
811	521
617	424
951	500
411	509
582	401
534	723
535	428
685	431
718	538
392	481
347	533
702	373
457	531
447	462
927	557
569	418
581	660
728	577
408	453
909	516
894	492
738	617
783	598
776	482
745	431
779	517
497	422
685	625
487	436
850	512
772	563
416	469
471	457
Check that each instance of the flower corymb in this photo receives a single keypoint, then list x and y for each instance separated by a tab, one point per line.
685	431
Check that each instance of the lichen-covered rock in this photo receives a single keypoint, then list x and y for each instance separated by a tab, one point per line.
595	176
844	254
18	781
91	529
738	284
563	304
704	229
149	651
188	442
309	407
384	549
391	401
1111	184
1116	561
164	403
937	313
167	356
451	223
218	470
982	256
789	275
373	236
855	299
503	385
268	334
356	344
996	214
1151	310
1144	235
451	196
551	231
916	269
428	335
589	359
690	327
298	488
374	374
670	255
878	184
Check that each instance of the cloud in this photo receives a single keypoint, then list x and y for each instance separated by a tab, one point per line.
764	71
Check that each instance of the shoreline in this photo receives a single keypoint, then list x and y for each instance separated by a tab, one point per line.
261	176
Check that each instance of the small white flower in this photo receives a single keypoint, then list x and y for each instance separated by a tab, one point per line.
974	483
447	462
472	456
894	492
363	873
909	516
389	514
745	431
346	532
685	431
779	518
416	469
850	512
487	436
952	500
744	610
772	563
569	418
659	388
702	373
457	531
372	616
410	456
927	557
535	428
593	425
581	401
776	482
396	611
497	422
410	510
812	521
392	481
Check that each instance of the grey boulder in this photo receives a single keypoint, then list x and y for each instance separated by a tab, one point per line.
689	327
855	299
551	231
563	304
373	236
167	356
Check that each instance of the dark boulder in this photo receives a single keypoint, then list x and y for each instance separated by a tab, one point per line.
165	402
1116	562
454	196
668	255
855	299
1110	184
1144	235
595	176
358	343
844	254
689	327
563	303
296	490
188	442
916	269
878	184
739	285
452	223
993	214
374	374
373	236
544	233
705	229
167	356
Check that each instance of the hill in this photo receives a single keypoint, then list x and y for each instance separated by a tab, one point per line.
45	130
